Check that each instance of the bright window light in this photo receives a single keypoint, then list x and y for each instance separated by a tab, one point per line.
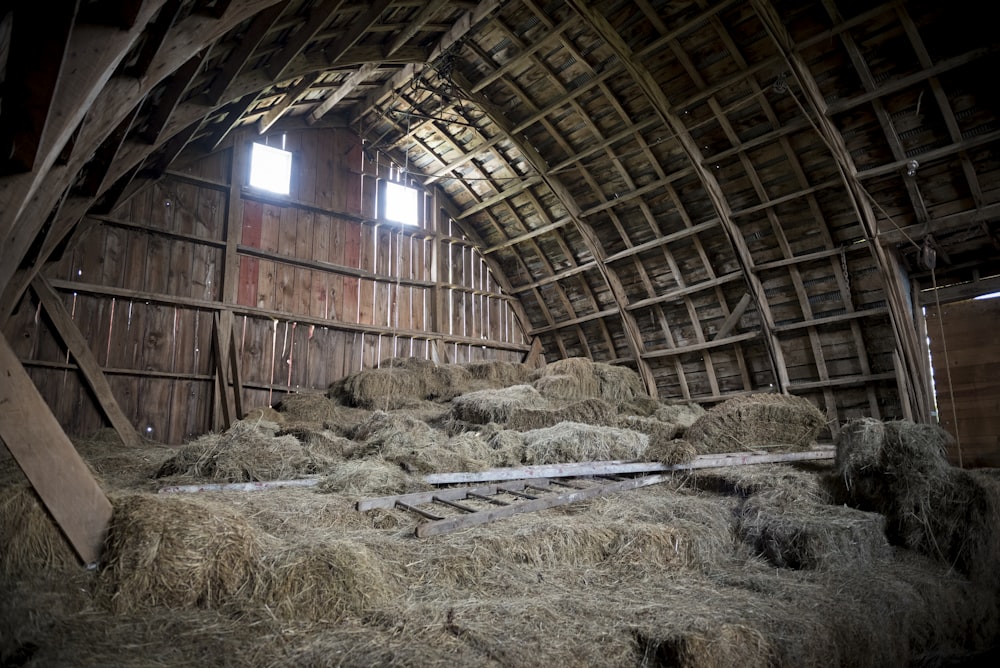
991	295
401	203
270	169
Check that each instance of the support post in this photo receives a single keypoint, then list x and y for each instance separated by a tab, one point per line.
51	463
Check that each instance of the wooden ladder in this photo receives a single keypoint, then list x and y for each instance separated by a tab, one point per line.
464	507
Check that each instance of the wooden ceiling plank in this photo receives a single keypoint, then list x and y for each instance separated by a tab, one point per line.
36	52
658	99
319	16
629	326
51	463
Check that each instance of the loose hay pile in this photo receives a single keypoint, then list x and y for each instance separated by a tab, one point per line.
756	422
248	451
749	566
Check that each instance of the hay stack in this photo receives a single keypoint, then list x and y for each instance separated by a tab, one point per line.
499	373
757	421
246	452
577	442
176	553
325	581
723	646
899	469
618	384
799	535
587	411
485	406
305	407
682	414
419	448
30	542
370	477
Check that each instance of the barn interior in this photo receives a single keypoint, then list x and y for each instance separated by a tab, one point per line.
499	333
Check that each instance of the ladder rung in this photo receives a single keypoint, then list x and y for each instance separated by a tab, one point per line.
488	499
418	511
520	494
453	504
566	484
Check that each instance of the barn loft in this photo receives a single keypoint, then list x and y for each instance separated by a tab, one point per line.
499	332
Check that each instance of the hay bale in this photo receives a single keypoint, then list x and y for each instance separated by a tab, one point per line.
485	406
176	553
565	388
811	536
418	447
681	414
380	389
506	445
30	541
657	430
499	373
618	384
587	411
325	581
674	451
757	421
305	407
370	477
264	413
781	482
723	646
246	452
899	469
401	382
568	379
576	442
642	405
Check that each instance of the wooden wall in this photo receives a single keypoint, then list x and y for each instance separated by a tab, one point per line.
319	287
968	406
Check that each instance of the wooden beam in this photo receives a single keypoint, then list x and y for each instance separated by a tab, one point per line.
290	96
96	171
358	27
51	463
533	357
231	114
318	17
154	37
222	333
416	24
171	96
463	25
246	44
734	317
39	41
79	348
349	85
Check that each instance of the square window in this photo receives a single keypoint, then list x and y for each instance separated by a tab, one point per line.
402	204
270	169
